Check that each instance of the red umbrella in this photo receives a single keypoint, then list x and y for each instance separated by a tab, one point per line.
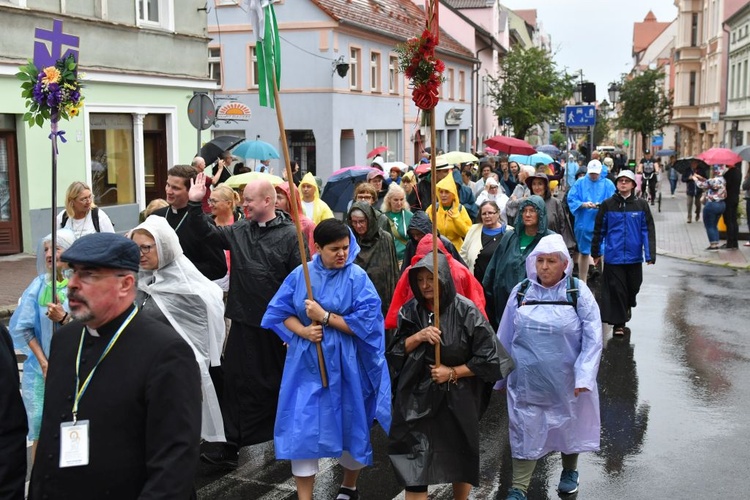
720	156
378	150
510	145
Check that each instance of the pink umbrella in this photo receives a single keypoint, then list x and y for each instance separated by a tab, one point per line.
377	151
720	156
510	145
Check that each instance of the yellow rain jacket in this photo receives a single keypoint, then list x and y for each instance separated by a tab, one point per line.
321	211
454	222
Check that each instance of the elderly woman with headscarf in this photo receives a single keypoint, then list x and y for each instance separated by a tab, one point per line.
171	288
377	253
553	332
33	323
398	213
506	268
283	202
482	239
81	215
452	219
557	219
434	435
493	192
344	318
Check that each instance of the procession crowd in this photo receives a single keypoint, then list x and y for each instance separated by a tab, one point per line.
228	319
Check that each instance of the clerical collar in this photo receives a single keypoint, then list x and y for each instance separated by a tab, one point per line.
109	329
177	210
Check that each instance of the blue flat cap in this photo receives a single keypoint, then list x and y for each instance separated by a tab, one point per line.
108	250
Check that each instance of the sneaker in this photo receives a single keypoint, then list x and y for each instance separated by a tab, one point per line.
515	494
347	494
689	221
222	454
568	482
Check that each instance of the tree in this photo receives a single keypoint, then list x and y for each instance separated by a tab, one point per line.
558	139
529	89
601	129
645	106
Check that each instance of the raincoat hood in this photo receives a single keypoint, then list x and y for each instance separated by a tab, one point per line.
284	186
448	184
166	240
372	220
553	243
309	178
538	203
353	252
425	246
420	222
447	288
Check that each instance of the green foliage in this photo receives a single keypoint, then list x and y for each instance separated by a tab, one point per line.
529	89
645	106
52	92
558	139
601	129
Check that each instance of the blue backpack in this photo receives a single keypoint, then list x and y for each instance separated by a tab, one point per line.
571	294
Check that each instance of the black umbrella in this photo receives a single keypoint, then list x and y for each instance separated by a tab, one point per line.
683	164
213	148
339	188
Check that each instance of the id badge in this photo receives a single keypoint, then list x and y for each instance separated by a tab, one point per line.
74	443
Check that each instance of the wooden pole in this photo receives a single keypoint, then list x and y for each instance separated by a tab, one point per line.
435	206
53	242
296	217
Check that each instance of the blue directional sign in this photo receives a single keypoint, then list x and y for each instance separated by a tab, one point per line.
657	140
580	116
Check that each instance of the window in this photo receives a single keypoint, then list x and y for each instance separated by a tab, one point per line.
252	59
112	158
155	13
461	86
691	92
375	72
694	30
447	91
354	59
389	138
393	75
214	64
732	88
744	79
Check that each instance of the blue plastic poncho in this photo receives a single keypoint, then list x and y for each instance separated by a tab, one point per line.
29	322
582	191
313	422
556	349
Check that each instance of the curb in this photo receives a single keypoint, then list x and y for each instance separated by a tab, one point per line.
704	260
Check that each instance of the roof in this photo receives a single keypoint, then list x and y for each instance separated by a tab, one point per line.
470	4
400	19
646	32
528	15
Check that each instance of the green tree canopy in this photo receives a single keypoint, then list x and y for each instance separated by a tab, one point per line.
529	89
645	106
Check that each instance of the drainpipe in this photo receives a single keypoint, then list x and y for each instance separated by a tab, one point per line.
475	107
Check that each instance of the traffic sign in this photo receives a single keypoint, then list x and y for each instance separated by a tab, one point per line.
580	116
657	140
201	112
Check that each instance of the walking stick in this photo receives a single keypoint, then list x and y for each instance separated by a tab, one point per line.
435	204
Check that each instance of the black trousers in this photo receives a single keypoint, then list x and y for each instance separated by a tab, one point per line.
733	227
620	286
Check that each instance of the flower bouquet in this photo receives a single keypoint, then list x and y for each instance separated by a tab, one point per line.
51	93
418	62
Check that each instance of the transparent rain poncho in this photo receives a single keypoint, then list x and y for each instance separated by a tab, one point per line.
556	348
194	307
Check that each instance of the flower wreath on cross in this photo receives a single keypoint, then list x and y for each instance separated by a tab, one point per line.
417	62
51	93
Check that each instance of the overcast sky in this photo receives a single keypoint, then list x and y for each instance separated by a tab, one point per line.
594	35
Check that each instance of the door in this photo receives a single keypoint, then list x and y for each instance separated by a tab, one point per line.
155	156
10	221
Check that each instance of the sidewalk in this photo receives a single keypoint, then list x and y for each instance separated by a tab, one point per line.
674	238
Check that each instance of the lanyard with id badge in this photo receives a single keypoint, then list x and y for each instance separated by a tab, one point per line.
74	436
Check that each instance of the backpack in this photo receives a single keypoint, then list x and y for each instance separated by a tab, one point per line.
571	293
648	167
94	219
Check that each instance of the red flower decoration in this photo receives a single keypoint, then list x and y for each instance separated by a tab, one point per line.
417	61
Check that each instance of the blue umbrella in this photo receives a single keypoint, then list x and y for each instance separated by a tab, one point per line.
257	150
666	152
339	189
532	159
549	149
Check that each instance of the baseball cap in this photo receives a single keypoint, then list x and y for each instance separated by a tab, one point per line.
594	167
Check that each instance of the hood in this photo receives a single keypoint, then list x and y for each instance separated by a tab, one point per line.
284	186
353	252
549	244
309	178
420	222
538	203
425	246
166	240
372	219
448	184
447	288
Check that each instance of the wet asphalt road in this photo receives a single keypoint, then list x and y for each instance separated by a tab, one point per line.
675	406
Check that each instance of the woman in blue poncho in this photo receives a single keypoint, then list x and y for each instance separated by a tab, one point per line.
313	422
31	327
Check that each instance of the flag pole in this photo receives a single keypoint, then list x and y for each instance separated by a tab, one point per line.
296	217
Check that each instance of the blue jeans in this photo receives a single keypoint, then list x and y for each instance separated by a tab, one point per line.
712	211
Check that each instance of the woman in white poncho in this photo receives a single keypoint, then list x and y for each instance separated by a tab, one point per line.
170	287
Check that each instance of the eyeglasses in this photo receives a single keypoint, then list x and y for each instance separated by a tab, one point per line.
88	276
85	199
145	248
214	201
364	197
355	222
486	214
491	187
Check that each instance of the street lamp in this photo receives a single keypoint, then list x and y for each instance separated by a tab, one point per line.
614	92
604	107
578	93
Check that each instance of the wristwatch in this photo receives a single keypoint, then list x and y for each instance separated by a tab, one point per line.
326	317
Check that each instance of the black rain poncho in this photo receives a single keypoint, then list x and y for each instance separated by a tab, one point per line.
434	435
